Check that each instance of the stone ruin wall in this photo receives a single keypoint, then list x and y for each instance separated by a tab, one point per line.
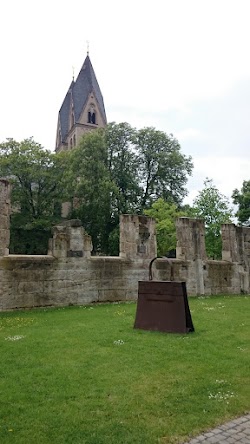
4	217
69	275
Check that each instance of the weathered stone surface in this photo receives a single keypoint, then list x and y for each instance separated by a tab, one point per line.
4	216
190	239
4	222
137	237
75	223
70	240
69	275
231	242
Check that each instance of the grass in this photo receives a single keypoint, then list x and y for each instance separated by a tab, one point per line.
84	375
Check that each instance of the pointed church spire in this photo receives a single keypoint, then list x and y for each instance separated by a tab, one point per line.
82	109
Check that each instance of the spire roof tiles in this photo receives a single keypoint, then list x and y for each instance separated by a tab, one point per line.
78	93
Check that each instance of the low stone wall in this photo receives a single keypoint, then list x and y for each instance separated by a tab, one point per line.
69	275
36	281
46	281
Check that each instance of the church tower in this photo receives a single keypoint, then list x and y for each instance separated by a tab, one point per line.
82	109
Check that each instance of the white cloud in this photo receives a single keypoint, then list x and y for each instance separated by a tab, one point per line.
227	173
188	134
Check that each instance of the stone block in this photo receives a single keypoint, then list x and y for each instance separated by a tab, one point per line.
137	236
76	240
226	256
4	222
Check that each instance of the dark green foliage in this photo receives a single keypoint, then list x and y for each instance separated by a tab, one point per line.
123	166
93	189
113	171
163	170
242	199
122	170
113	242
37	187
32	241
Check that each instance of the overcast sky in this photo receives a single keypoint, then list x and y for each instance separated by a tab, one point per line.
182	66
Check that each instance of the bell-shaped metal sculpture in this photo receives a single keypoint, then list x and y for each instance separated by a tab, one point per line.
163	305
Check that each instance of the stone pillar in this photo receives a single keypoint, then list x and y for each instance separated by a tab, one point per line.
5	189
244	252
70	240
191	247
246	244
236	248
230	242
236	244
190	239
137	237
66	208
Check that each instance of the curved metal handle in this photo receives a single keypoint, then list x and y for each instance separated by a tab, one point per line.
171	268
150	268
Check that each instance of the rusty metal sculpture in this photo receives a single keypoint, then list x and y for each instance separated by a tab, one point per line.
163	305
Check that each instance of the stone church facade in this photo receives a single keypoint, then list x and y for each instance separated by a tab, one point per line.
82	109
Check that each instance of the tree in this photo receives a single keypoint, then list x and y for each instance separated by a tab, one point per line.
123	165
242	199
165	215
36	176
123	170
92	188
163	169
214	208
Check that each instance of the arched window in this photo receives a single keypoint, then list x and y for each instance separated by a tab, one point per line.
92	114
71	143
74	140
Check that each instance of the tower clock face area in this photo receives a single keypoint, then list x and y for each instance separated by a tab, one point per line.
82	109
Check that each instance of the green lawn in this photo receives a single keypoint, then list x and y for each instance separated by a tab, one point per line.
84	375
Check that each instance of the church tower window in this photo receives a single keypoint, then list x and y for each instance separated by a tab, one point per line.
80	111
92	114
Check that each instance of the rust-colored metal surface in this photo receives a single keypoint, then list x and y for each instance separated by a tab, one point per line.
163	306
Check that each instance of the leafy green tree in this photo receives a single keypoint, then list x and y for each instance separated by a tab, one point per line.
123	166
115	170
214	208
242	199
139	166
163	169
93	190
165	215
123	170
36	176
